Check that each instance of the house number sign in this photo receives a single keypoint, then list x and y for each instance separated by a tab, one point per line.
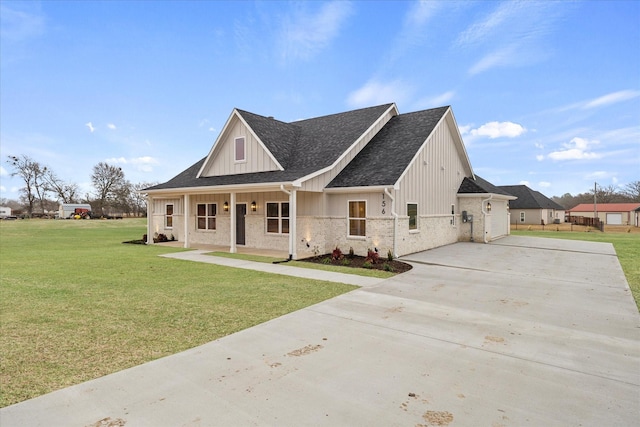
384	205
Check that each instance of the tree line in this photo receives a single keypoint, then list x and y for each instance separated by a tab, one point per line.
43	190
610	194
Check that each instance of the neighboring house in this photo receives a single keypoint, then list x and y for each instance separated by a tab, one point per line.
610	213
5	211
532	207
365	179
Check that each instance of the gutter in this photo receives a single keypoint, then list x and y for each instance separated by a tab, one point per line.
395	221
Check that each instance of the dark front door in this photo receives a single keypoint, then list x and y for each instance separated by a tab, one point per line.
241	211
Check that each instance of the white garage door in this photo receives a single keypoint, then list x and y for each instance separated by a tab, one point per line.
499	220
614	219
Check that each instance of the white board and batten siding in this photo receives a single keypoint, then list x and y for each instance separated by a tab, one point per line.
433	179
257	159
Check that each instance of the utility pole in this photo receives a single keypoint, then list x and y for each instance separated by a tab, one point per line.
595	203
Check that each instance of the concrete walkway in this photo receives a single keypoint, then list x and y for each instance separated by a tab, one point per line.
520	332
282	268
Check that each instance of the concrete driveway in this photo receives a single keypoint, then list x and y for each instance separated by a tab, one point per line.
522	331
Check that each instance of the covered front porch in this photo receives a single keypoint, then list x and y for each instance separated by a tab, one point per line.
270	253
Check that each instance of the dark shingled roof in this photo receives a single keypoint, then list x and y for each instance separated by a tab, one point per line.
301	147
480	186
529	199
389	153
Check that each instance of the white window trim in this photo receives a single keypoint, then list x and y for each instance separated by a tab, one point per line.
206	217
279	218
522	218
417	229
349	235
244	149
173	210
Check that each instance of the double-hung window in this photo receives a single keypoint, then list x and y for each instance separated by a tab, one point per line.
521	216
278	217
206	216
412	212
240	149
168	216
357	218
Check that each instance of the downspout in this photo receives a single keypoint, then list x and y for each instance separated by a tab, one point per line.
395	221
484	218
292	221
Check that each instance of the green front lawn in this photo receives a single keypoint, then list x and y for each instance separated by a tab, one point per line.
78	304
627	246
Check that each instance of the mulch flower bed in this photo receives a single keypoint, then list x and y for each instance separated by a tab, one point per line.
357	261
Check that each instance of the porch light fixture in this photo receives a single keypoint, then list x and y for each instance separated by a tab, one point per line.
226	206
488	206
253	206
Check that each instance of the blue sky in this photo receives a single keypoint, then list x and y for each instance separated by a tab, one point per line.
545	93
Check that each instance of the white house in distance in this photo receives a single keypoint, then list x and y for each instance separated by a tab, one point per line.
610	213
362	179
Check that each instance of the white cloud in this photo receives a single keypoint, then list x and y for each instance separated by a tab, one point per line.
111	126
464	130
538	145
3	171
117	160
18	26
524	183
612	98
3	189
539	157
374	92
576	149
90	126
501	57
544	184
514	34
499	130
304	35
437	100
143	163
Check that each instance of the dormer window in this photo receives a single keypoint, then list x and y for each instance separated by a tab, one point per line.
240	152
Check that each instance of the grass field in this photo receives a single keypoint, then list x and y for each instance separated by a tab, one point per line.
78	304
626	244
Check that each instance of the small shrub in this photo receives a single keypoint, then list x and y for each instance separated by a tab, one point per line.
336	255
173	239
529	228
326	260
351	253
389	255
346	262
387	267
367	264
372	257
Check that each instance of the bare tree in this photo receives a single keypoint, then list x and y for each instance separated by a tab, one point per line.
139	199
66	192
632	191
32	174
108	181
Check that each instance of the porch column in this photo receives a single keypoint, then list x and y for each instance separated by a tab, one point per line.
293	214
186	220
149	219
232	232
